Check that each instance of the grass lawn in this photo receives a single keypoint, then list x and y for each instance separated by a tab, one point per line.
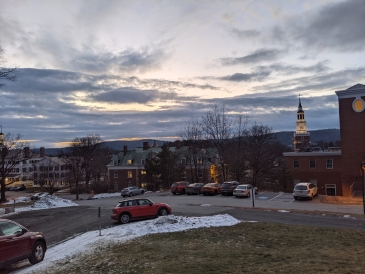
243	248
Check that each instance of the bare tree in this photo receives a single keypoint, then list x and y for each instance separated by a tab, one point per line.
237	162
262	152
5	72
12	152
81	157
217	127
192	135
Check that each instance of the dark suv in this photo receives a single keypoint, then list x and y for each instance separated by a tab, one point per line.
18	243
179	187
228	187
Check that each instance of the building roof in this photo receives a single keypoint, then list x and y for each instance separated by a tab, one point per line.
352	92
312	153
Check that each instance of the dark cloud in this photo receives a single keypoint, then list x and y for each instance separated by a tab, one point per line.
336	26
288	69
246	77
260	55
243	34
129	60
133	95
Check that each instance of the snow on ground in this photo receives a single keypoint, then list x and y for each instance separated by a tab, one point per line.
89	241
49	201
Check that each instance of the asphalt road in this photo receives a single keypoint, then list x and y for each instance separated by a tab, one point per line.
59	224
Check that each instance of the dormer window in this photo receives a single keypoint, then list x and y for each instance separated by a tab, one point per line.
143	161
183	161
130	162
115	162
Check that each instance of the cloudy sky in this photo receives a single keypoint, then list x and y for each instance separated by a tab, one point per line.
141	69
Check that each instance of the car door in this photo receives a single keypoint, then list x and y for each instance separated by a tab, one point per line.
145	208
16	242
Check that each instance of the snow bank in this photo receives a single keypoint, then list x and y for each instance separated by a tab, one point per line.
89	241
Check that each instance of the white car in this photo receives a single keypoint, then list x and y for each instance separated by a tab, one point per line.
132	190
305	190
244	190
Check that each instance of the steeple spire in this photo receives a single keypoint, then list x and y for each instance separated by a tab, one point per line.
300	104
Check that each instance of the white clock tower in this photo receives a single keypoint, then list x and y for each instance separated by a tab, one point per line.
301	135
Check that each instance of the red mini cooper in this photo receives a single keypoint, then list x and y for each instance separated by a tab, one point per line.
134	209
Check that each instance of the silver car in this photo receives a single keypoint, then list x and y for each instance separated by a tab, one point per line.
244	190
305	190
130	191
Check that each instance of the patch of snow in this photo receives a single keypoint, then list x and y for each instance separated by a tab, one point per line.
206	205
89	241
282	210
50	201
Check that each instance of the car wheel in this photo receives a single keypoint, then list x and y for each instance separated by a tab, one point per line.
124	196
38	252
204	194
142	191
215	193
174	193
295	198
124	218
130	194
162	212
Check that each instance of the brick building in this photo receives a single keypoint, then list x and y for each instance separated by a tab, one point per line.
336	172
127	168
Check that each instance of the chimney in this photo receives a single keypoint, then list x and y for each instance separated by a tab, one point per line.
178	144
145	145
41	151
26	152
125	150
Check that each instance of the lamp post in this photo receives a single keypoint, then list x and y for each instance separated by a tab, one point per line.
363	184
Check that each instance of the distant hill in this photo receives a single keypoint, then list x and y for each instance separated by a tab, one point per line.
115	145
325	135
285	137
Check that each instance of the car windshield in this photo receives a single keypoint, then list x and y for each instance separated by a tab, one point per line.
209	185
174	184
301	187
226	184
241	187
193	185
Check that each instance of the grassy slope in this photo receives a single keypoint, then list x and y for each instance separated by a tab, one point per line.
246	247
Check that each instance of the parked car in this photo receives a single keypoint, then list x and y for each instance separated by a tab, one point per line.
244	190
305	190
211	188
18	243
195	188
138	208
37	195
228	187
132	190
179	187
19	188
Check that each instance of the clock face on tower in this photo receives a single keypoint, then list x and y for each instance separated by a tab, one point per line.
358	105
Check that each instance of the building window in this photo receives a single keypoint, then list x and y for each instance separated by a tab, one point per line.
143	161
129	162
302	138
200	174
115	174
329	163
183	161
312	163
296	163
296	181
313	181
130	174
115	162
143	172
200	161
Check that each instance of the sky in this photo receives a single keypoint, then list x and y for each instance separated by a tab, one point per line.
142	69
